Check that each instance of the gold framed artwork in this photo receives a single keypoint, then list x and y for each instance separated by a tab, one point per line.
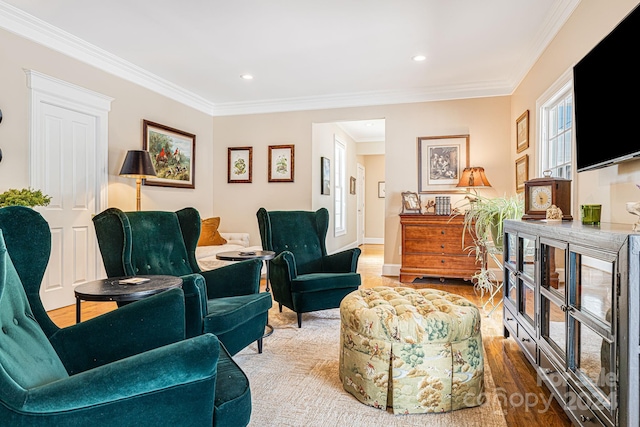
522	132
352	185
522	172
281	163
410	202
239	164
173	154
441	160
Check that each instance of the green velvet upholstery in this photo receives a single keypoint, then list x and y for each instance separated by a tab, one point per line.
145	389
226	301
302	276
133	329
150	324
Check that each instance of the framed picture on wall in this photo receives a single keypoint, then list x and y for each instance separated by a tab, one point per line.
239	164
522	132
522	172
281	163
381	191
352	185
173	154
325	176
441	160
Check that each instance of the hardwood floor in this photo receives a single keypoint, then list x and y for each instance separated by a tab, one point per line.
524	402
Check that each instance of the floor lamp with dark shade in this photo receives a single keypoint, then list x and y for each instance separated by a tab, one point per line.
137	165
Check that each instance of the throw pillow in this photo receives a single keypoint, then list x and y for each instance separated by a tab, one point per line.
209	234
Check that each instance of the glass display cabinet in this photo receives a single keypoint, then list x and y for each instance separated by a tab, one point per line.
572	302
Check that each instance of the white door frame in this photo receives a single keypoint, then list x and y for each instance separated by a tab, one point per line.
360	201
46	90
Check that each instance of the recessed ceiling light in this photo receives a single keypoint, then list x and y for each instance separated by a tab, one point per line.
246	76
419	58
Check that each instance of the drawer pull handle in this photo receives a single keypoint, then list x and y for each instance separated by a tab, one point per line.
509	319
549	371
525	339
442	261
584	418
442	232
442	246
564	308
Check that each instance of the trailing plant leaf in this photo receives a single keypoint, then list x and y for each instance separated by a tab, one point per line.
24	197
483	219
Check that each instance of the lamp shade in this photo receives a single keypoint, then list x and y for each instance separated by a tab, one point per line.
473	177
137	164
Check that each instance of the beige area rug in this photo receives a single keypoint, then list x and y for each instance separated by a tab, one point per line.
295	382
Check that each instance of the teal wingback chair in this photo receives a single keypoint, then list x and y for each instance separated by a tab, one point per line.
147	324
225	301
302	276
146	389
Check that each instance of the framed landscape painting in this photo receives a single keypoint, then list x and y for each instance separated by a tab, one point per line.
441	160
281	163
239	164
173	155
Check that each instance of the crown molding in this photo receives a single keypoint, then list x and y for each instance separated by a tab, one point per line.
29	27
362	99
552	25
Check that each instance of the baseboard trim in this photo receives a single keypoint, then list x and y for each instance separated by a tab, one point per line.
391	270
351	245
374	240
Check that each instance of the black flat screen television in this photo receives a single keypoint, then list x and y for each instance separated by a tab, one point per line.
606	88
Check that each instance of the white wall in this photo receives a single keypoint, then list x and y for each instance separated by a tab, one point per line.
374	211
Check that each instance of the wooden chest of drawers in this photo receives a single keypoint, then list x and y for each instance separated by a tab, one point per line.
432	247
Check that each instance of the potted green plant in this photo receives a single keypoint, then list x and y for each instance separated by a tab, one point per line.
24	197
484	218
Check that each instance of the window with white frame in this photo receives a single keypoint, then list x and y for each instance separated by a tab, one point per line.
556	129
339	194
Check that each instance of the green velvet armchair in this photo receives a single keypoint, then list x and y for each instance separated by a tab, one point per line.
302	276
226	301
146	389
99	345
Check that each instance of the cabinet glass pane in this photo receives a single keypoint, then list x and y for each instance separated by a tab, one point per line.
528	302
510	249
528	257
594	286
554	325
553	269
592	359
511	287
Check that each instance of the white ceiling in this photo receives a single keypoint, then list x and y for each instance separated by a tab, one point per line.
303	54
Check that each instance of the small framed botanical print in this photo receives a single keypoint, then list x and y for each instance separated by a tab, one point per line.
239	164
281	163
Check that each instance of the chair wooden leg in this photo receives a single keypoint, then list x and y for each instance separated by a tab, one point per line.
260	346
299	320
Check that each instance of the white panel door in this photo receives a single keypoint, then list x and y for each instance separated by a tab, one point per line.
69	144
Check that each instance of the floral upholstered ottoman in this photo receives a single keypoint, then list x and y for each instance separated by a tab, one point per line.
414	350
